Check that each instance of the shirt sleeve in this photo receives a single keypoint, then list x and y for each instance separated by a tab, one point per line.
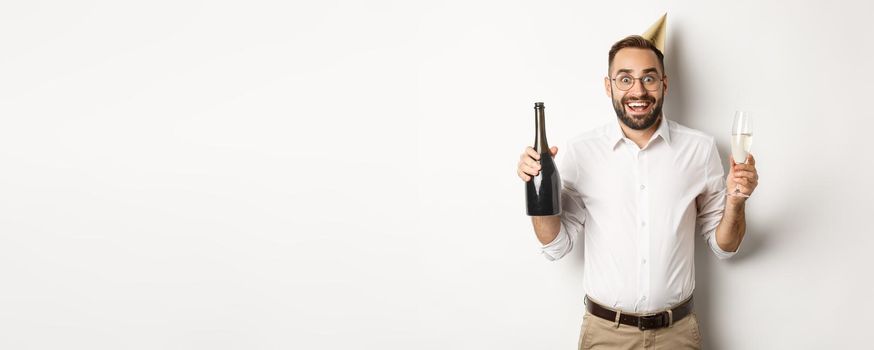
711	202
573	211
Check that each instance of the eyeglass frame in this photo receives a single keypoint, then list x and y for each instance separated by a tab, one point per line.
660	80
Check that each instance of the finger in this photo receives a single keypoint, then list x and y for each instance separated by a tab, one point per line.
532	153
750	159
749	183
524	165
531	163
522	175
553	150
528	153
731	162
745	167
526	159
742	181
529	170
744	173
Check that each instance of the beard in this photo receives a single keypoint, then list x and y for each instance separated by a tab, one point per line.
643	122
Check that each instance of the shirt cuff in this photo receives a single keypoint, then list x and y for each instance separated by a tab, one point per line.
558	247
721	254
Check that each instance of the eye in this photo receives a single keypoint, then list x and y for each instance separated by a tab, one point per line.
649	79
625	80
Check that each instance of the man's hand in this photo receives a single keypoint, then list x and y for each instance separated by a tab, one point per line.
529	163
742	176
545	227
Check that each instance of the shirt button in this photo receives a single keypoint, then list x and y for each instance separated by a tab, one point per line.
643	261
643	223
642	187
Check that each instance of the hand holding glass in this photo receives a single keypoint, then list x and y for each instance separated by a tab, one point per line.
741	141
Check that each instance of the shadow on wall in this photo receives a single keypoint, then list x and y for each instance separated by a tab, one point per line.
759	233
677	109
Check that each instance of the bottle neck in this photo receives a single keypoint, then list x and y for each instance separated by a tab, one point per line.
540	144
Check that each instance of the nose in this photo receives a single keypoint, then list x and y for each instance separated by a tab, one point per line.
637	89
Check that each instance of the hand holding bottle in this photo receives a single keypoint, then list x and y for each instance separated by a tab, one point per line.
537	168
529	163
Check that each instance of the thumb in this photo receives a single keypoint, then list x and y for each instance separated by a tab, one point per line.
553	150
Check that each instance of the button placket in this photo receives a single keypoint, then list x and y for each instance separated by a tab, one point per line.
645	232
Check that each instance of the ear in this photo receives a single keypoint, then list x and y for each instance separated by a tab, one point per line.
607	86
665	82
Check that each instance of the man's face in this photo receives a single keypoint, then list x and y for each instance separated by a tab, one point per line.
638	108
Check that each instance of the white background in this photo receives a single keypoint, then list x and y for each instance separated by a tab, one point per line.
272	175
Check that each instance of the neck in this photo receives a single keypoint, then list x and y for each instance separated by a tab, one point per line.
641	137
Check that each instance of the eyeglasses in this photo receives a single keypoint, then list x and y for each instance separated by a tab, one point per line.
650	82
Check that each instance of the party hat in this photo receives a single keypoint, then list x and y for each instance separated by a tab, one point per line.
656	32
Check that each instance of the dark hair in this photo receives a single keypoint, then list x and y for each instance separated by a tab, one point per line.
634	41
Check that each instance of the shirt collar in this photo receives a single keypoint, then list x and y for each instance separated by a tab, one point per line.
616	135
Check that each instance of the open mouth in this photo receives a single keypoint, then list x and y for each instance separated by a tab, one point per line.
638	106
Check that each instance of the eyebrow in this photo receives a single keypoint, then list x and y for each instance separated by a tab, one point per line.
648	70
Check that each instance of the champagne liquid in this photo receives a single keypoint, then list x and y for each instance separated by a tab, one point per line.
740	147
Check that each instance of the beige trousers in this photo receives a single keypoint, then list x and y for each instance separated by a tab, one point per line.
597	333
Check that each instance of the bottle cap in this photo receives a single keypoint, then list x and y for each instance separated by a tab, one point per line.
538	104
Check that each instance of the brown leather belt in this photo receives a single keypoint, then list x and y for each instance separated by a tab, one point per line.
644	322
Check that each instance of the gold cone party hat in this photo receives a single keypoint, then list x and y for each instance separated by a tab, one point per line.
656	32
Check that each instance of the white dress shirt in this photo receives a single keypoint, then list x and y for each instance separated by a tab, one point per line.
638	211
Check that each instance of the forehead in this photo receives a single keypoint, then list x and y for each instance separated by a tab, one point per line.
634	59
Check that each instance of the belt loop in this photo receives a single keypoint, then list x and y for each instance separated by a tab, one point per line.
670	318
618	313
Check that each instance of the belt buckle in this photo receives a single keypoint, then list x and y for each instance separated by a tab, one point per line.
653	318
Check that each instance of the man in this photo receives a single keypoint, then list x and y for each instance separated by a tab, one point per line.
638	190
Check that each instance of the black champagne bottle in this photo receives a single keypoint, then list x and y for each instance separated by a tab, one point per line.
543	192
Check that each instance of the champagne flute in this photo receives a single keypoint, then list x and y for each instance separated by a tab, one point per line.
741	141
